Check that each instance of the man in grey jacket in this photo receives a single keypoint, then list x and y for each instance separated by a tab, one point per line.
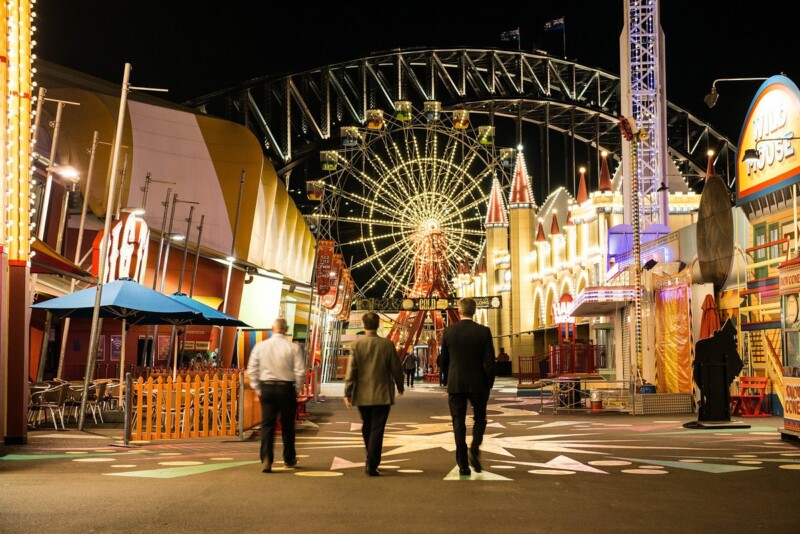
372	375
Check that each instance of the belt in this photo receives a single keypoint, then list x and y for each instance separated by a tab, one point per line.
278	383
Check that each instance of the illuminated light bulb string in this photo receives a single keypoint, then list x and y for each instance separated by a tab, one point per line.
17	137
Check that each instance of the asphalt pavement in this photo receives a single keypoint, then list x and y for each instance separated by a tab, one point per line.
574	471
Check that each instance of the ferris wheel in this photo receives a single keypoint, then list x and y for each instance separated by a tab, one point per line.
403	177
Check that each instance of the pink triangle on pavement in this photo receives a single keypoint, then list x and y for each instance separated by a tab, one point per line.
564	462
341	463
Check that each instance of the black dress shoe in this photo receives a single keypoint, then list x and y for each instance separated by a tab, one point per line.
464	472
373	473
475	462
266	466
291	464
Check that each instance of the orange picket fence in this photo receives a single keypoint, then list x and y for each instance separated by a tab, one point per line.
201	406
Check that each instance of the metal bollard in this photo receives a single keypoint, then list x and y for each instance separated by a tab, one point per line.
241	406
128	403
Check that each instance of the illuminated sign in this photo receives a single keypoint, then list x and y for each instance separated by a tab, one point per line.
791	409
561	310
127	250
325	249
790	277
773	118
425	304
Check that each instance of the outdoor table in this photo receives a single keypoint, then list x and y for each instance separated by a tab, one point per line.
567	391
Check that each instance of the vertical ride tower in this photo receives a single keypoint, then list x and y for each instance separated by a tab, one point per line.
642	74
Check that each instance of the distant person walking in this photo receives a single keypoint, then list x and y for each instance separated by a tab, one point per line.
277	372
468	357
410	367
372	375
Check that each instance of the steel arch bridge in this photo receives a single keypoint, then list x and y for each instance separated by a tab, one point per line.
296	115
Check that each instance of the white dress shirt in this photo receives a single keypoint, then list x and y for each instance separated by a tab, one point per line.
276	358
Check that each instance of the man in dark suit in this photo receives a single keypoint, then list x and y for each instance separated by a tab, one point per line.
468	357
372	374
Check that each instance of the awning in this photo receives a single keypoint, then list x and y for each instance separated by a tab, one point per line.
48	261
602	301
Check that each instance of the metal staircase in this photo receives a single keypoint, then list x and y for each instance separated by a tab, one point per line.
761	315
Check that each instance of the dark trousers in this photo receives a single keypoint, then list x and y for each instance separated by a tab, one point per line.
458	411
374	423
278	398
410	377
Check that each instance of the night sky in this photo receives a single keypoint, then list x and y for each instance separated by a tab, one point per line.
193	48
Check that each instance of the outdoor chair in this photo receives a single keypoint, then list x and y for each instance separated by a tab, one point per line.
50	401
93	400
111	397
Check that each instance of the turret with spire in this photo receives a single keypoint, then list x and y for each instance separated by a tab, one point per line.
496	265
522	218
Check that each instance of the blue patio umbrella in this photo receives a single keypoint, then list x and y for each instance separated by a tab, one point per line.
123	299
210	316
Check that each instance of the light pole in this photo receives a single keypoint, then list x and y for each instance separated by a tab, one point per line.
84	208
194	271
140	212
180	285
51	164
70	175
95	330
230	260
197	254
147	181
45	207
170	236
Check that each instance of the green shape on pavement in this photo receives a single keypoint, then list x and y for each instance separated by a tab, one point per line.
711	431
705	467
63	455
483	475
175	472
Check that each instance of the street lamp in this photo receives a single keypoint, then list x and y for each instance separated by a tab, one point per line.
170	238
231	258
51	160
711	98
147	181
84	209
70	176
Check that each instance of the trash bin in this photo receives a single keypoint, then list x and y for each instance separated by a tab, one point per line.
595	400
544	367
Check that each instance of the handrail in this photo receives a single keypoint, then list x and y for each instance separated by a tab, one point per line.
770	244
774	369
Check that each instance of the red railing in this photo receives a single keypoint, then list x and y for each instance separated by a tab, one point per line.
562	360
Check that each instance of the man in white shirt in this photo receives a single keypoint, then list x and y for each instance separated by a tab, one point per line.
277	372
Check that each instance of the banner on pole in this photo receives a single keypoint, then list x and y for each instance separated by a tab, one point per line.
324	264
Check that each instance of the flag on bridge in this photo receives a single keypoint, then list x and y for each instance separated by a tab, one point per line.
555	24
509	36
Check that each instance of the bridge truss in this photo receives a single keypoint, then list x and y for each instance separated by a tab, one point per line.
297	115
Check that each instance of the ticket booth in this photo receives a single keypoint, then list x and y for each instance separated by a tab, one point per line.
790	319
421	351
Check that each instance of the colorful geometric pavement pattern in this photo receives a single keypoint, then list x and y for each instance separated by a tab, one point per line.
520	442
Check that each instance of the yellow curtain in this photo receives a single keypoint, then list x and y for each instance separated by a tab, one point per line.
673	343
